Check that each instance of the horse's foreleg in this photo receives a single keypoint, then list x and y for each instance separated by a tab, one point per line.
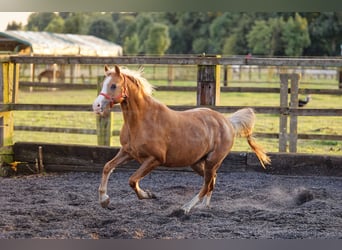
121	158
146	167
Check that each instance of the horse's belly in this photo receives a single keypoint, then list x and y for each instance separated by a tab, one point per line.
184	156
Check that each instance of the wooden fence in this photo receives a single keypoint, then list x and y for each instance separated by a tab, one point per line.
208	92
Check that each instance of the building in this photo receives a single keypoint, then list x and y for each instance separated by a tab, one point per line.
53	44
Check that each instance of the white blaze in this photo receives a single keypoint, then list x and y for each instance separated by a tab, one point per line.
100	102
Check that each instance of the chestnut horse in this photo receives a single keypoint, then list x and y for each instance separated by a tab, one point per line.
154	135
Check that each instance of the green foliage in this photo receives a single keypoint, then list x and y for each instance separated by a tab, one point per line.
158	40
14	26
233	33
104	29
131	45
260	37
229	45
127	27
295	36
326	34
223	28
74	24
56	25
265	37
39	21
200	45
143	22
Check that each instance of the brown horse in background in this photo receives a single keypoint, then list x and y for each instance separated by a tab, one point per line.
155	135
48	73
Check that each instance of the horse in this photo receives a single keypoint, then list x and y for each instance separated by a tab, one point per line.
48	73
155	135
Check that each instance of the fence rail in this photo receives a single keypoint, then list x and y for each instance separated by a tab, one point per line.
185	88
222	109
182	60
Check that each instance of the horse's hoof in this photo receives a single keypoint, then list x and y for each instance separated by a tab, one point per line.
105	202
150	195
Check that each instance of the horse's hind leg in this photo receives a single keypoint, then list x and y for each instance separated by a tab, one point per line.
206	191
207	196
199	167
121	158
147	166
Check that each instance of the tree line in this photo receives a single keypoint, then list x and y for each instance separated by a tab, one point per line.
226	33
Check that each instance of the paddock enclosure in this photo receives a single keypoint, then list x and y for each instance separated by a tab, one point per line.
53	189
245	205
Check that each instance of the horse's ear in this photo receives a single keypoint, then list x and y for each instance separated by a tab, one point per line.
106	68
117	69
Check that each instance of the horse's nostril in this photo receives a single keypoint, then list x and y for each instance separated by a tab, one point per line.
98	105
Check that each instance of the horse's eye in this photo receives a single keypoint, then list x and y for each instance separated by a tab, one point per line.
113	87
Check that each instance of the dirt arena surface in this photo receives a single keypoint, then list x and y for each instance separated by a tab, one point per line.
245	205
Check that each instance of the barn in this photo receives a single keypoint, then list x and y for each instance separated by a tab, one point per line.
56	44
47	43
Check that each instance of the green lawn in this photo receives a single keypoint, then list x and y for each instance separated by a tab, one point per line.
265	123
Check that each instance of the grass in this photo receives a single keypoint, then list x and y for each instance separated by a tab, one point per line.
264	124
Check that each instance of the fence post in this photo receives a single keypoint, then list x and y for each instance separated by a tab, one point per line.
103	123
340	78
292	137
283	112
293	117
170	74
225	75
208	84
8	89
270	73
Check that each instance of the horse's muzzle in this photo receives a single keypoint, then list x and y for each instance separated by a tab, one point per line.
99	105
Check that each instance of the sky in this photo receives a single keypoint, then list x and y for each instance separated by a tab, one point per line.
7	17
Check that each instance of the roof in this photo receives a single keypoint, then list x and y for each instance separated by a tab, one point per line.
47	43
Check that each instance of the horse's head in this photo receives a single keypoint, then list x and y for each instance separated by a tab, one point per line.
114	90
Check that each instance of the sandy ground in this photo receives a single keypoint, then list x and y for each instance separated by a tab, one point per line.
244	205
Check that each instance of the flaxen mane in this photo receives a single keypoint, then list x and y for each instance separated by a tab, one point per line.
136	77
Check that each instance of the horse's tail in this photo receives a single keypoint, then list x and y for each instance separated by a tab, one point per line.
243	122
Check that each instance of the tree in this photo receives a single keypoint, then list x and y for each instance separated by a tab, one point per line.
221	28
14	26
56	25
75	24
190	27
325	34
229	45
265	37
295	36
200	45
131	45
277	45
143	21
259	38
104	29
158	40
127	26
39	21
243	27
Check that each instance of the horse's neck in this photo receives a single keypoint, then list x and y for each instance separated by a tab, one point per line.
136	107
